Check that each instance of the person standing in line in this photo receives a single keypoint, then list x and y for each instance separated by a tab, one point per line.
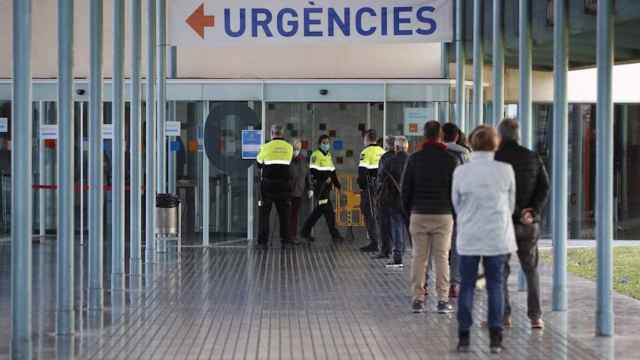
389	179
299	184
426	196
274	161
532	192
324	178
384	221
452	135
367	172
484	197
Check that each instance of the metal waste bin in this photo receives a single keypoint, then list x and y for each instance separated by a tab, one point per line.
168	220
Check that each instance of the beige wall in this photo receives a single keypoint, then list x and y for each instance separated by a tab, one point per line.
366	61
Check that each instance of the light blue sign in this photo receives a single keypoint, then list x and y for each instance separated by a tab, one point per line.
251	142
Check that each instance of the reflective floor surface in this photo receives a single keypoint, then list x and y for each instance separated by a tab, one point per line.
318	302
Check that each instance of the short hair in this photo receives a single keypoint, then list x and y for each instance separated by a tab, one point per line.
371	136
484	138
277	130
451	131
322	138
509	129
389	142
432	130
400	144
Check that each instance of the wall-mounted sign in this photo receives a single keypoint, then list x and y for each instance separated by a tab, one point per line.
251	141
48	132
213	23
414	120
172	128
4	125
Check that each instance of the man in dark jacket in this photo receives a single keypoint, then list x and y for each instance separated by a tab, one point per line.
299	184
384	221
389	188
426	196
532	191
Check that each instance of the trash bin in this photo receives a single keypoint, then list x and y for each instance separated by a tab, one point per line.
167	215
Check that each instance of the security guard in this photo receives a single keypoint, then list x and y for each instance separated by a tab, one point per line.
367	172
323	178
274	159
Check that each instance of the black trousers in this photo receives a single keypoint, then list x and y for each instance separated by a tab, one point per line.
385	231
326	210
527	239
368	211
283	205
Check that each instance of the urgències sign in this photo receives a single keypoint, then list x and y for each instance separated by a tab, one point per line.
213	23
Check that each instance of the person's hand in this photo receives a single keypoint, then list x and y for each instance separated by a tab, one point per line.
527	216
310	194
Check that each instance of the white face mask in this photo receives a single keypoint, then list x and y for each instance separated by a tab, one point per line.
296	153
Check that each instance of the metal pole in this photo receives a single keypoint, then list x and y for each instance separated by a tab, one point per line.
135	123
172	166
384	111
229	204
41	170
498	63
526	68
81	193
21	194
560	151
206	199
117	116
526	104
150	187
161	31
460	67
604	164
250	203
478	65
96	197
64	306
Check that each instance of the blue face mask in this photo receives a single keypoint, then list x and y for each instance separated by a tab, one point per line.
325	147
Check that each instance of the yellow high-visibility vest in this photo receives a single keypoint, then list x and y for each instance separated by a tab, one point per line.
275	152
321	162
370	157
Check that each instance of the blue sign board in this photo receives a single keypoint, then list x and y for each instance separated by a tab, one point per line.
251	142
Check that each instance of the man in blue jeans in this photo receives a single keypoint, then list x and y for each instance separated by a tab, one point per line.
388	186
483	195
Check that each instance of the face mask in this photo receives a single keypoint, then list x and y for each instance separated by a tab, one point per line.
296	153
325	147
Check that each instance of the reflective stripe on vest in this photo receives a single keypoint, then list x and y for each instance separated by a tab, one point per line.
321	162
275	152
370	157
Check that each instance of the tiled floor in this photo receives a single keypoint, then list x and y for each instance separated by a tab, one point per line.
319	302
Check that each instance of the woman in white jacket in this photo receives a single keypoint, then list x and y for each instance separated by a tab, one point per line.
483	196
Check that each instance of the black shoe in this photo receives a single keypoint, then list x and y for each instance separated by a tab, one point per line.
464	342
395	263
444	307
496	340
380	256
308	238
293	242
338	238
261	246
417	307
369	248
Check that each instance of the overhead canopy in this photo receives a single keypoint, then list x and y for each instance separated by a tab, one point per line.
582	39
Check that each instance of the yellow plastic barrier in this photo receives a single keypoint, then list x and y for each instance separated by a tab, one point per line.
348	212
